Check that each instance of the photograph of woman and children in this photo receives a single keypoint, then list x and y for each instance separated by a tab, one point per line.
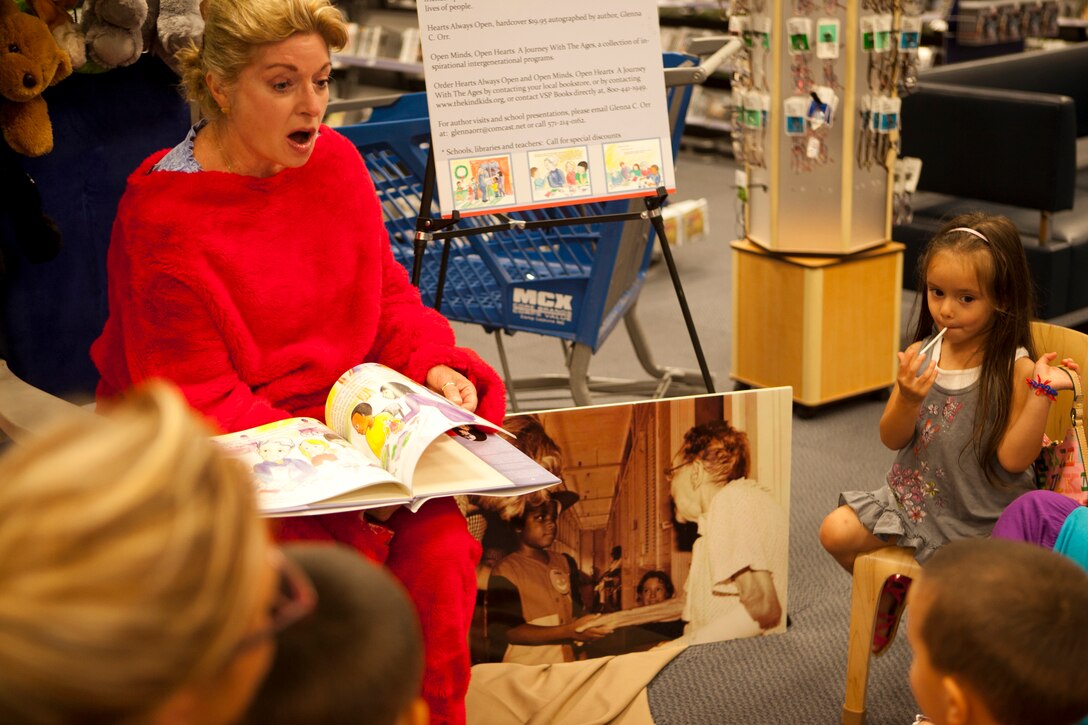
670	527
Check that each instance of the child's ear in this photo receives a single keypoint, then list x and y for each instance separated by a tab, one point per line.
958	702
417	713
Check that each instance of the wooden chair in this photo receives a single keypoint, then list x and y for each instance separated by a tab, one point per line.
1067	343
871	570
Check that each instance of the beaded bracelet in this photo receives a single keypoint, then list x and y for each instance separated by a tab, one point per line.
1042	387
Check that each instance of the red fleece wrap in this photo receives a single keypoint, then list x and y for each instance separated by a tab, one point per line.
253	296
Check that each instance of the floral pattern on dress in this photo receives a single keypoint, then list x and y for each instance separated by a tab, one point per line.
911	489
952	407
917	488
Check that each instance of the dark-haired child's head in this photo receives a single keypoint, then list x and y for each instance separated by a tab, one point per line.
362	416
536	528
991	246
999	630
357	658
654	587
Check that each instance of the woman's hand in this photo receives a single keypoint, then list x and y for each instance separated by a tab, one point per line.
1053	376
454	386
913	387
589	633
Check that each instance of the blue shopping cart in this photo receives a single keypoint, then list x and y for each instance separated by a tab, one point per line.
568	272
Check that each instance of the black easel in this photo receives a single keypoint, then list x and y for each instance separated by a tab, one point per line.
428	228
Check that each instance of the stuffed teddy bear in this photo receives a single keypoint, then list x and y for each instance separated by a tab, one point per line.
30	61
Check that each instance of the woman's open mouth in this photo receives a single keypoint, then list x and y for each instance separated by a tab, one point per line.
301	139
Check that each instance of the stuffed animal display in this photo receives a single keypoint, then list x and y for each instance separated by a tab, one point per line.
30	62
117	32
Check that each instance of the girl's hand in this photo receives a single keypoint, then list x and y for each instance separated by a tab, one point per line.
913	387
454	386
1046	372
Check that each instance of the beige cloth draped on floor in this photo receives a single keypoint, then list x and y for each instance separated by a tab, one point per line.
588	692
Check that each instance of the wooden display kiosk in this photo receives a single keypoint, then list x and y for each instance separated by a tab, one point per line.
817	281
826	325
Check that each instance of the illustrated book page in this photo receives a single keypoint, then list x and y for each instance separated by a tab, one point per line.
389	441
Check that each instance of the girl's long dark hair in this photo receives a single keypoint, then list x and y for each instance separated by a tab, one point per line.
1003	271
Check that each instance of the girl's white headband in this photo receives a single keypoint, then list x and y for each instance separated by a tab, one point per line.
970	231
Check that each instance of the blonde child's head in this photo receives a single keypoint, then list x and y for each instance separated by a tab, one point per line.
999	631
132	564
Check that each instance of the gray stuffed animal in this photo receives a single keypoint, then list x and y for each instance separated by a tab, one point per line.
112	29
118	31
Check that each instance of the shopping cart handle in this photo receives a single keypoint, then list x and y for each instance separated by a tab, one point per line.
727	46
707	44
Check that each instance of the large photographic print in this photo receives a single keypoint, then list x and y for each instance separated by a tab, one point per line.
670	527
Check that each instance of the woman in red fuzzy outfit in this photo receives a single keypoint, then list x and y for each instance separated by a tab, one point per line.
250	266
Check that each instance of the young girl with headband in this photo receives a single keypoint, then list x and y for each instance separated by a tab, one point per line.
966	418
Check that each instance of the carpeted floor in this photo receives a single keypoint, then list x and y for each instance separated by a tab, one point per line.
799	676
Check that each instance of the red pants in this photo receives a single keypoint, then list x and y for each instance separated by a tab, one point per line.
435	557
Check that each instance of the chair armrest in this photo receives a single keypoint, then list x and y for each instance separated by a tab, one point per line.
1002	146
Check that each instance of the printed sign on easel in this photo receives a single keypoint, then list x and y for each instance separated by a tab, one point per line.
544	104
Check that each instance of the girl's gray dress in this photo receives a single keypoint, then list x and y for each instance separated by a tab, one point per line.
936	491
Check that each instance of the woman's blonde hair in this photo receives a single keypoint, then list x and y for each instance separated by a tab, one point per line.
130	554
234	29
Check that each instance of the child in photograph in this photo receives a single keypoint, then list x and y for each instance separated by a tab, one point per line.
358	657
999	631
489	516
488	521
529	594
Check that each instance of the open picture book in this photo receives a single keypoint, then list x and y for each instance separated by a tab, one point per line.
386	440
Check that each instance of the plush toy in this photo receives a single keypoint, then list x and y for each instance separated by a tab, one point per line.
114	31
30	61
118	31
179	23
58	16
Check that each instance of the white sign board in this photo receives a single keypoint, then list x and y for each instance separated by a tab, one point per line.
544	104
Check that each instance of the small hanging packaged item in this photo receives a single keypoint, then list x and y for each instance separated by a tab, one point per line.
1060	465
